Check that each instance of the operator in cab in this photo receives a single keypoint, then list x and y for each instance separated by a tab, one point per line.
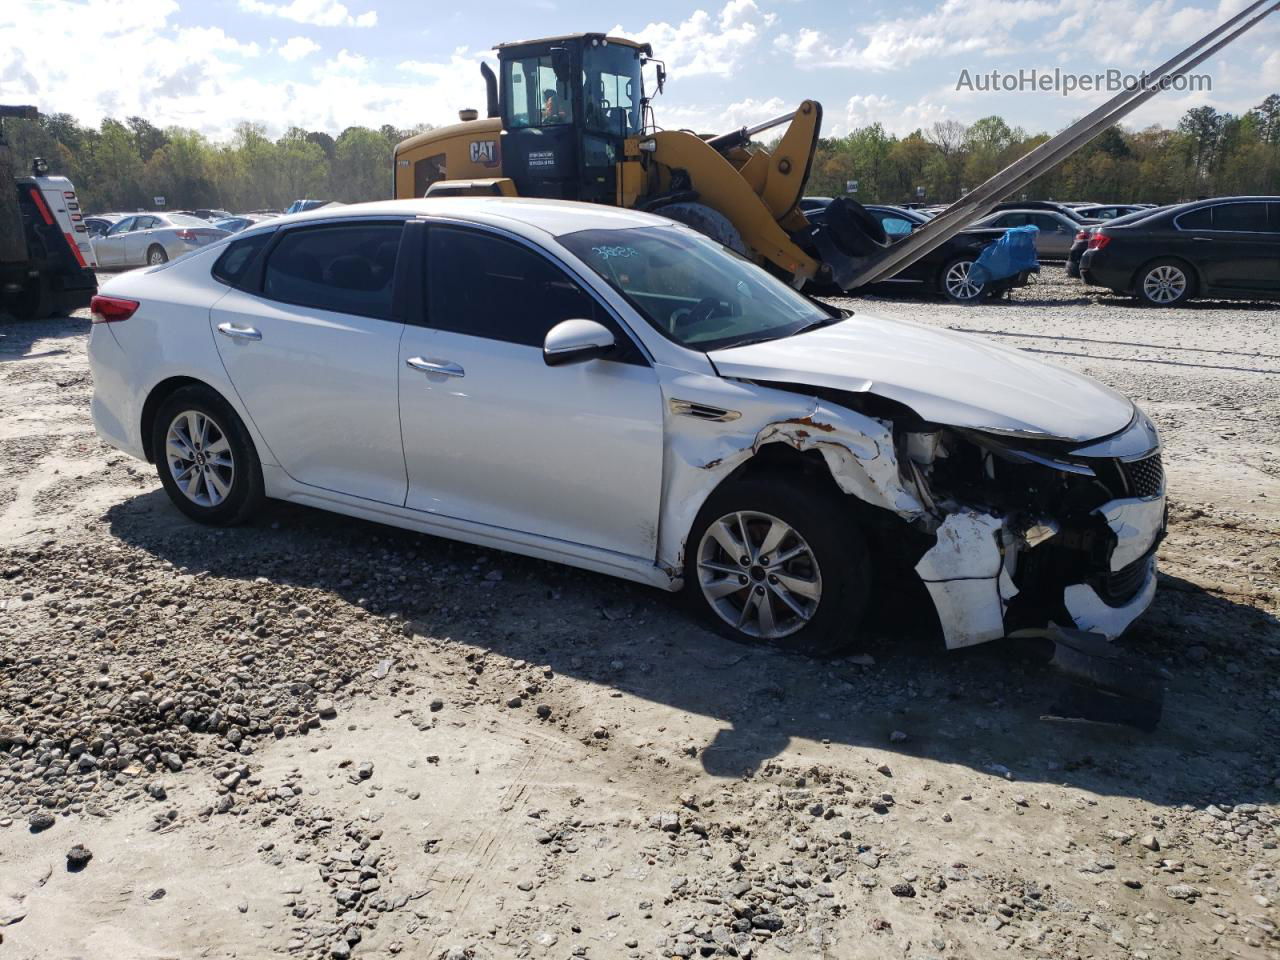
554	109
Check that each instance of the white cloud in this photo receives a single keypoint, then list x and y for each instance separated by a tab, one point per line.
346	62
295	48
704	44
317	13
894	117
956	26
1271	70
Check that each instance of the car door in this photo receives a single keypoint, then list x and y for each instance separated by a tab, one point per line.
109	249
138	239
1053	242
311	348
494	435
1239	252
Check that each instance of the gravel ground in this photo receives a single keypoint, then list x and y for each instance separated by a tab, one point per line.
320	737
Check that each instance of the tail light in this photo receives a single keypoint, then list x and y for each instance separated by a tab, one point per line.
1082	235
111	309
1098	241
188	235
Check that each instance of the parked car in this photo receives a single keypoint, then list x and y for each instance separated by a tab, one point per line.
152	238
236	224
1081	242
1109	211
204	213
1226	247
945	270
99	224
1051	206
1056	230
302	206
612	390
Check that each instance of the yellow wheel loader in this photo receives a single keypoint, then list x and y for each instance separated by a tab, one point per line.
568	117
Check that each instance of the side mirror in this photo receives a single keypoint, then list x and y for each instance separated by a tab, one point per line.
576	341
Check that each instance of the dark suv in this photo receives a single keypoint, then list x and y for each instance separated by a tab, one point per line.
1227	247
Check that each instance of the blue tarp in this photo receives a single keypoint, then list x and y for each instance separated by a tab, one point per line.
1010	255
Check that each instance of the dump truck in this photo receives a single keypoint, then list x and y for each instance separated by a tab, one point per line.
568	117
46	258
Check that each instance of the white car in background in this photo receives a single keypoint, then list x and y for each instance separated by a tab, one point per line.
152	238
611	390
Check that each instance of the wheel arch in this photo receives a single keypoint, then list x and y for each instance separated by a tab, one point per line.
159	393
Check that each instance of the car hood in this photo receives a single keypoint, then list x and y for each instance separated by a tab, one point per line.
949	378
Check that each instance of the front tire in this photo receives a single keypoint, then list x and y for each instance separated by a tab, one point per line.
768	564
954	282
205	458
1164	283
156	255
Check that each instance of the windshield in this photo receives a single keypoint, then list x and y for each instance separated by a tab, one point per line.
612	89
692	290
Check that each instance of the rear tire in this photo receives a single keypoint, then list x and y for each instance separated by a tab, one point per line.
1164	283
814	585
205	457
34	302
156	255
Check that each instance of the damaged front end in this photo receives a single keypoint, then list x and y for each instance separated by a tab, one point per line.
1033	533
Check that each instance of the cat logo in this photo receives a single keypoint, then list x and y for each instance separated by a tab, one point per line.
484	151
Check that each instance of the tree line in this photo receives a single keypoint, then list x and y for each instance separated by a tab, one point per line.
124	165
1209	153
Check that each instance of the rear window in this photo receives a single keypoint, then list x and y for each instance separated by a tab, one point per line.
182	220
345	268
233	267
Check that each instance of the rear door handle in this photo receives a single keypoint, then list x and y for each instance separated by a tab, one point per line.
238	332
444	367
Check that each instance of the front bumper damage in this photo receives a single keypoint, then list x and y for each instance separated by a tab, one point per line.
970	572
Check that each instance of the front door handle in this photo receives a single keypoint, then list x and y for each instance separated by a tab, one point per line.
435	366
1202	239
238	332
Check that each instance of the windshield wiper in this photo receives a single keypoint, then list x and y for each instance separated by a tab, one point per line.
814	325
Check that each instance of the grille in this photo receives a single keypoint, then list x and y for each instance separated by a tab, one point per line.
1144	478
1121	586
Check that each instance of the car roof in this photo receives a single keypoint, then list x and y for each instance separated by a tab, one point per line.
555	217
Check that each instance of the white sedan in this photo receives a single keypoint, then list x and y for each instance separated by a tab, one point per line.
153	238
611	390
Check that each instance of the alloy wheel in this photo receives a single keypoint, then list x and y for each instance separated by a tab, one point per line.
958	283
156	257
759	574
199	457
1164	284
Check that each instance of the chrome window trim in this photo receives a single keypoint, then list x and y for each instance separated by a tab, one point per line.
1265	204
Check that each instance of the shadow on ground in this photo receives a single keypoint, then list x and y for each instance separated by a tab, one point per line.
18	337
981	708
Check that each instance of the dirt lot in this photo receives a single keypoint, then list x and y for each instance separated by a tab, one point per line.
320	737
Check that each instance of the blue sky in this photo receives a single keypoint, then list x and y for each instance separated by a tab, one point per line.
327	64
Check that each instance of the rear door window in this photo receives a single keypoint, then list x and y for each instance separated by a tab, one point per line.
1248	217
346	268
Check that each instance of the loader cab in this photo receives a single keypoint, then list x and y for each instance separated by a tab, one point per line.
568	105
